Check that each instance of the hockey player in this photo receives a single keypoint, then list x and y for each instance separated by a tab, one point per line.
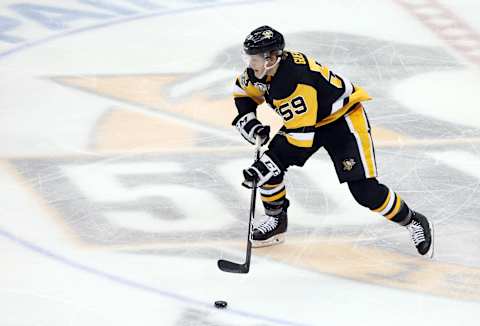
319	109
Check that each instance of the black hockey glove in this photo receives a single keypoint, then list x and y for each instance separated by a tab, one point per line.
262	171
264	133
249	127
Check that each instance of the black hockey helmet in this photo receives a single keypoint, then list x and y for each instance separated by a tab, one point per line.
263	39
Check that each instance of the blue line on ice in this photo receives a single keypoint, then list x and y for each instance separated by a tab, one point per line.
133	284
99	273
31	44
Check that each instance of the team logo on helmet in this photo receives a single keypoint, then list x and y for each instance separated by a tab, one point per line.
257	36
267	34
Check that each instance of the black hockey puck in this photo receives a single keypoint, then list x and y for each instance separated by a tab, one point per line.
220	304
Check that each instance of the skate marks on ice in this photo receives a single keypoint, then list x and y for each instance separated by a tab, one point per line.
367	263
167	183
131	205
207	318
201	105
140	199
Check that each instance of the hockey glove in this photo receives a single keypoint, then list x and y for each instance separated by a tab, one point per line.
264	133
249	127
262	170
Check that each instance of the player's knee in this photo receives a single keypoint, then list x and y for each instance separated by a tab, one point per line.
368	192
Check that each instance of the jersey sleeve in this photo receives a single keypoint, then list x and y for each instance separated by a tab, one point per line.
247	97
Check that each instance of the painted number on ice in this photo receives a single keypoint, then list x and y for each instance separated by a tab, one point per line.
154	206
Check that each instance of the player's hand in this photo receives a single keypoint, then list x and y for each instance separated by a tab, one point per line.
249	176
264	133
261	171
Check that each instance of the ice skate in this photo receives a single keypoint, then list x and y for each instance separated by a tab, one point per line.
422	233
271	230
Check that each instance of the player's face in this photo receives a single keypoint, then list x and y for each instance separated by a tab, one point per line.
259	63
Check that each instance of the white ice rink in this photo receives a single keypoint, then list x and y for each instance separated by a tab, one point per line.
120	172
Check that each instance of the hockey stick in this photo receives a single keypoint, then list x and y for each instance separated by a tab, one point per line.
229	266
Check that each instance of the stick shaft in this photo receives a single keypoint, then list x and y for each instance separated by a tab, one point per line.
252	208
231	267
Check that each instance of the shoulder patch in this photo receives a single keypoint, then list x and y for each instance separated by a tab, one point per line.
261	87
243	79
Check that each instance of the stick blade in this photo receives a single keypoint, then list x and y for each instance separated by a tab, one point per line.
231	267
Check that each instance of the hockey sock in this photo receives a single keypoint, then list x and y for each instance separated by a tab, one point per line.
395	209
273	197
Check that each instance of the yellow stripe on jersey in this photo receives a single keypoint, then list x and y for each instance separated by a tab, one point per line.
359	95
359	126
335	81
314	66
326	73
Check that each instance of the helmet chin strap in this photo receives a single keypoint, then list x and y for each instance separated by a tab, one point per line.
268	68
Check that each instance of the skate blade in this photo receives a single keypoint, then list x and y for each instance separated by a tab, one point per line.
431	250
276	239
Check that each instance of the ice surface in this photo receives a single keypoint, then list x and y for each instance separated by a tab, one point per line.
120	171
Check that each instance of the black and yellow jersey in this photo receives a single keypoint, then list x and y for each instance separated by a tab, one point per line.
304	93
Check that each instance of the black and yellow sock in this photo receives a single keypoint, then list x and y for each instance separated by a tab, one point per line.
395	209
273	197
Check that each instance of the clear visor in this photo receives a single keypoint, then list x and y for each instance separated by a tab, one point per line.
255	61
260	63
